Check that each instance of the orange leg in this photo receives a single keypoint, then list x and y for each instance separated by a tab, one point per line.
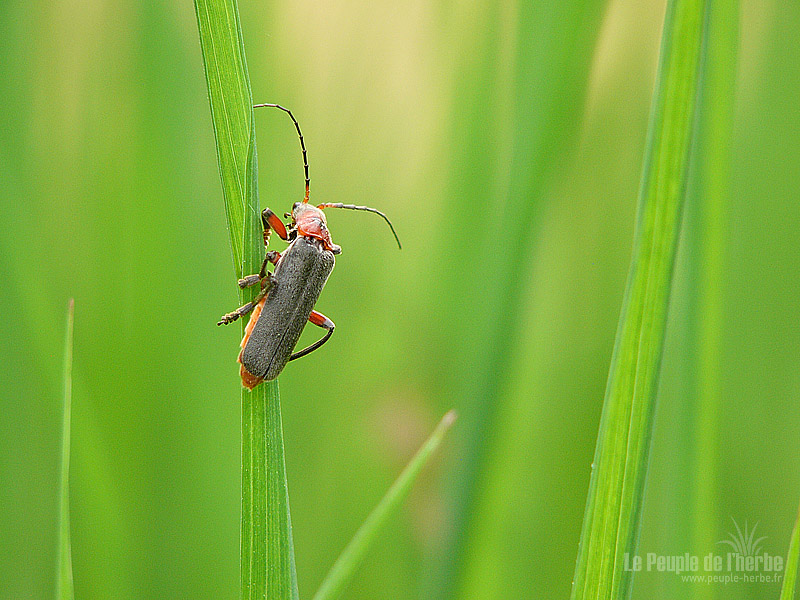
319	320
271	221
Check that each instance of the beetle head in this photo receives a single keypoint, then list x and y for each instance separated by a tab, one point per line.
310	222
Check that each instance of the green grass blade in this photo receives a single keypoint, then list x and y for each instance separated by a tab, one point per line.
267	553
792	559
232	117
613	508
708	206
281	573
520	114
347	563
267	550
65	590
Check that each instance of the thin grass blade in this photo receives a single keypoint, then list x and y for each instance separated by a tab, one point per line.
267	552
792	559
232	117
709	208
65	589
347	563
616	490
520	107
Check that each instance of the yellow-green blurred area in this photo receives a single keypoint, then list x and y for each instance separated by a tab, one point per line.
505	141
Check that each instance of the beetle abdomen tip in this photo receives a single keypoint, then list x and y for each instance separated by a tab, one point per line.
248	379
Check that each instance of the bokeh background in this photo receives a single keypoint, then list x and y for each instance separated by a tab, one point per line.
505	141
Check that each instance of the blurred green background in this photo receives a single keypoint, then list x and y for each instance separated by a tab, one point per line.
505	141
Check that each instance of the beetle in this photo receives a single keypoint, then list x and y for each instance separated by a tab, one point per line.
288	294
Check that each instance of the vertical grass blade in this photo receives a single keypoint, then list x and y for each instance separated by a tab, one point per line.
347	563
267	553
688	484
232	117
64	587
281	574
519	106
792	559
708	203
616	489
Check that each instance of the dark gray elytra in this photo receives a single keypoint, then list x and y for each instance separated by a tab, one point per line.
299	277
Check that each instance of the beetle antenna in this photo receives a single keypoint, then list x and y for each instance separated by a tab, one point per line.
368	209
302	143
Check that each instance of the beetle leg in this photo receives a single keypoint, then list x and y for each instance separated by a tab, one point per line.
249	280
272	257
319	320
271	221
266	284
